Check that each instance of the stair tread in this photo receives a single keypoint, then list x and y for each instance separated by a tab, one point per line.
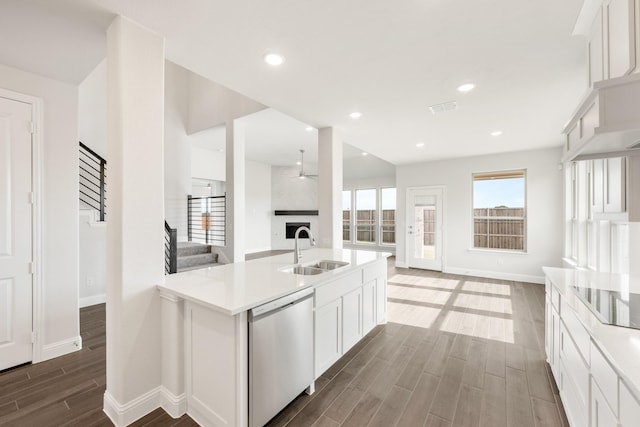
197	267
192	248
197	259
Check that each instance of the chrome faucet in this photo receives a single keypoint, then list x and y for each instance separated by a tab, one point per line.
297	252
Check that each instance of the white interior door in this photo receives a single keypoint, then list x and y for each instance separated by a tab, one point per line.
15	233
424	228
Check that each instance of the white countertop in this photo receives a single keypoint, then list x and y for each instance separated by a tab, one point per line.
240	286
619	344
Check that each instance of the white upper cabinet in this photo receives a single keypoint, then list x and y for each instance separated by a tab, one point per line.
595	51
620	35
607	119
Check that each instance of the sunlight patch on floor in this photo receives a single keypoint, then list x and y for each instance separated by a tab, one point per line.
487	287
412	315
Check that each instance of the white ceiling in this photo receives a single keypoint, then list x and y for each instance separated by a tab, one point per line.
388	60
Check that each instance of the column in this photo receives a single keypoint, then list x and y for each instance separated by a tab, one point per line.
135	233
329	189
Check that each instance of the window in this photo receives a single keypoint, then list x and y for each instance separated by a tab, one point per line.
499	210
366	209
388	223
346	215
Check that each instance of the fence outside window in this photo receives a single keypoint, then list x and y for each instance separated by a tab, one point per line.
499	228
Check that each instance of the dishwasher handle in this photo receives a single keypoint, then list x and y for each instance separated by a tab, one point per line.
278	304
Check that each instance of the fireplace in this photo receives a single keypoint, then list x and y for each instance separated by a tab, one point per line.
291	227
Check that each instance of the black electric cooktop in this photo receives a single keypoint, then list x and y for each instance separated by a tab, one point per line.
612	307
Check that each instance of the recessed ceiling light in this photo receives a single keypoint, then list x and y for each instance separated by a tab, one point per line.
364	154
274	59
308	128
355	115
420	144
496	133
298	163
466	87
220	150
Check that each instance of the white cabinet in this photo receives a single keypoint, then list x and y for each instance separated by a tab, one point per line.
611	42
351	319
601	413
614	185
368	306
629	408
346	309
596	185
381	299
552	332
328	335
595	51
620	51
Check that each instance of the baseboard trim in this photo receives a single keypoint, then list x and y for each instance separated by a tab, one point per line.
495	275
254	251
176	406
122	415
93	300
60	348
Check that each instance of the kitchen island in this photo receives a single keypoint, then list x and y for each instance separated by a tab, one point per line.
205	324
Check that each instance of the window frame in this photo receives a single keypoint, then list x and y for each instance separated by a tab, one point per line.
501	174
374	242
395	218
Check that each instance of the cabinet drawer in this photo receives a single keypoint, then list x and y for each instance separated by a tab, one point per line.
574	366
578	333
374	271
601	413
331	291
629	408
605	376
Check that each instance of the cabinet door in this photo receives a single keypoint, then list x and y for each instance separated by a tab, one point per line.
629	408
601	414
381	300
368	306
555	341
351	319
595	51
614	184
596	186
620	37
328	335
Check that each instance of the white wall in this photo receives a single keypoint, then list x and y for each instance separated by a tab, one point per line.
211	104
92	127
60	322
92	274
177	148
544	213
207	163
291	193
92	110
258	207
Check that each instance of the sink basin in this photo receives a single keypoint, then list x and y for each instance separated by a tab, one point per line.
314	267
329	265
303	270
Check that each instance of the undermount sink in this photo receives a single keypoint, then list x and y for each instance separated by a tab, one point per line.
314	267
305	271
329	265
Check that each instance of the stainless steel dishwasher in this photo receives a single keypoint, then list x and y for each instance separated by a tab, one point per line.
280	354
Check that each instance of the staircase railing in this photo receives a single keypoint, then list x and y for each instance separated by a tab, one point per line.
93	174
207	219
170	249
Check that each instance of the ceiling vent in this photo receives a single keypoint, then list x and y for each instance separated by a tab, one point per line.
445	106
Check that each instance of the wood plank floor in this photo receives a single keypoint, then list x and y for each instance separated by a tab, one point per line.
457	351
